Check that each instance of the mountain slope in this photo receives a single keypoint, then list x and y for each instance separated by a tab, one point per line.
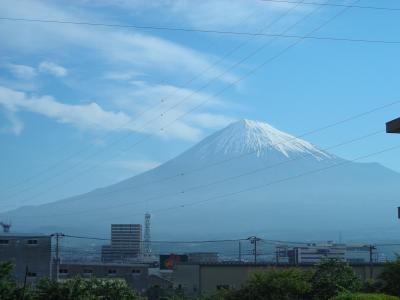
199	193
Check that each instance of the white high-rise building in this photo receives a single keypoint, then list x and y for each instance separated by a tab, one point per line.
125	245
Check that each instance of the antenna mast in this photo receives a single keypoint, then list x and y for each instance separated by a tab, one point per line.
147	235
6	226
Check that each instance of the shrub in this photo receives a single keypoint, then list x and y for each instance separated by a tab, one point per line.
332	277
364	297
390	278
289	284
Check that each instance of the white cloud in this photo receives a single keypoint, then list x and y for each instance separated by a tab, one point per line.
86	116
135	165
212	14
22	71
52	68
141	52
226	13
131	57
94	117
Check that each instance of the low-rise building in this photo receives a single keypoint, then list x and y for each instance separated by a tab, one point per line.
314	253
202	257
202	279
30	254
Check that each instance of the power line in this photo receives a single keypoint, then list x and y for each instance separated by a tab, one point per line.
335	5
224	195
264	240
44	171
220	162
141	113
169	242
248	73
151	121
275	182
202	186
237	33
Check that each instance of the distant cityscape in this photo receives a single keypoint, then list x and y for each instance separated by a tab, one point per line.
129	256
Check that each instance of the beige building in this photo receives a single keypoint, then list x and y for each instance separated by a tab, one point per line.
207	278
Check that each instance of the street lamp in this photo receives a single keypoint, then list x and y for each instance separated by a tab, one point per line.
393	126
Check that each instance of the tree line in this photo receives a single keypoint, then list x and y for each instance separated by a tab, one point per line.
330	280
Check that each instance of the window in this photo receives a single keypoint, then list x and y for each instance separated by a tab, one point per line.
112	272
31	274
136	272
63	271
32	242
4	242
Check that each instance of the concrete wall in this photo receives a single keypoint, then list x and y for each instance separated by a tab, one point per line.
186	277
27	255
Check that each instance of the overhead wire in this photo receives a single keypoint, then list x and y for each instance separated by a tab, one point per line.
322	25
141	113
223	161
222	196
212	31
216	182
330	4
257	67
151	121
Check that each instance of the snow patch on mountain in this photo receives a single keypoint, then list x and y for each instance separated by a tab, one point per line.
248	136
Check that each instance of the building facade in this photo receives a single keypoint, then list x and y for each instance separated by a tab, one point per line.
29	253
135	275
204	279
126	240
314	253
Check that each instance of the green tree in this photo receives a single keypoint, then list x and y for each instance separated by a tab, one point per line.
7	285
85	289
349	296
331	277
9	290
390	278
289	284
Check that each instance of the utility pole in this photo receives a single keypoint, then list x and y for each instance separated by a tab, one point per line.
254	240
24	286
371	263
277	254
57	258
240	251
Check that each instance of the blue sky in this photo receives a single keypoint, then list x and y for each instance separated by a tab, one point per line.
75	100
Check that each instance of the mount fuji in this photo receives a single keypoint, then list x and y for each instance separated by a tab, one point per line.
248	178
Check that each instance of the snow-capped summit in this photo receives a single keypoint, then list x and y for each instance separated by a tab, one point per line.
248	136
216	188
